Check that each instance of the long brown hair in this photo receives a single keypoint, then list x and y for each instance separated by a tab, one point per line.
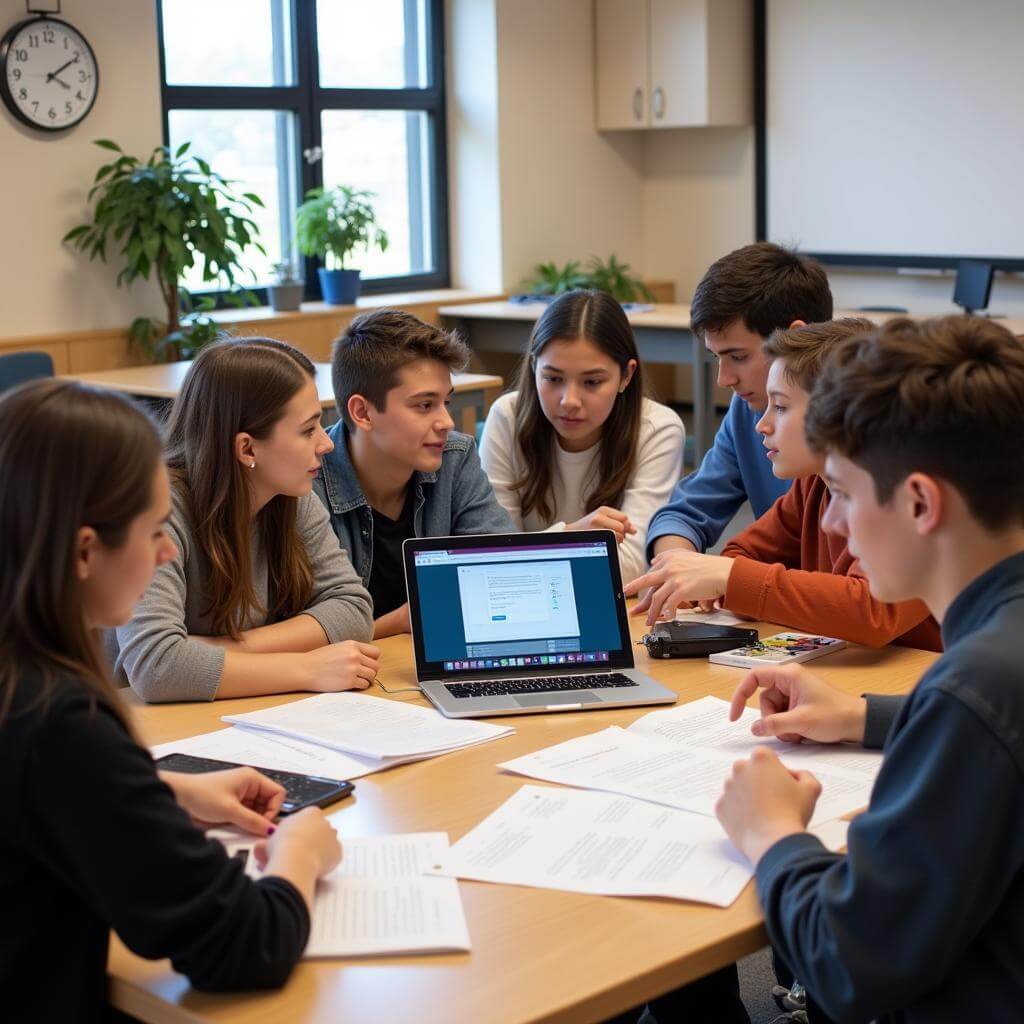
236	386
598	318
70	456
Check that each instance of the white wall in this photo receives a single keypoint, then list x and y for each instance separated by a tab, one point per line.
46	286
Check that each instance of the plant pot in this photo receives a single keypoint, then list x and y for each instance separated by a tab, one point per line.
339	287
286	297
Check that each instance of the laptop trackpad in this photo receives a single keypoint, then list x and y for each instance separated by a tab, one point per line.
541	700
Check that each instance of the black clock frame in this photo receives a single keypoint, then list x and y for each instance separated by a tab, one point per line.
7	96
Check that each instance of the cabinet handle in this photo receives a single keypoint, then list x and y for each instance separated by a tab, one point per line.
659	102
638	104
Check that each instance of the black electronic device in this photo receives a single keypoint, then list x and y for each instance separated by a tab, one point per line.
973	285
300	790
694	639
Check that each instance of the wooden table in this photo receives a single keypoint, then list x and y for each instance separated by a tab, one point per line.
538	955
161	383
663	335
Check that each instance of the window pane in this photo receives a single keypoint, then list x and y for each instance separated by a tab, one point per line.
257	150
228	42
372	44
387	152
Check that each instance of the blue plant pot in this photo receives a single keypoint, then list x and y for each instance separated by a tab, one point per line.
339	287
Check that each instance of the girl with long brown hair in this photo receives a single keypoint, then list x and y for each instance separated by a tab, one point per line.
578	445
94	838
260	598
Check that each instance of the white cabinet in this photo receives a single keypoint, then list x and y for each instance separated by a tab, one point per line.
673	63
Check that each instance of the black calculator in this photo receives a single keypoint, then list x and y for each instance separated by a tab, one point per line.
300	790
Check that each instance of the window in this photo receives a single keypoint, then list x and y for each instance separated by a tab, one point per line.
285	95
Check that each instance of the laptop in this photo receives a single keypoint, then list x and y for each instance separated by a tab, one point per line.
513	624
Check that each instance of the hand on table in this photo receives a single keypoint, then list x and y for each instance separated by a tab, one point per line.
677	579
796	705
238	796
763	802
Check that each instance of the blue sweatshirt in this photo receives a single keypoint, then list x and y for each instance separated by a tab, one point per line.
923	919
735	470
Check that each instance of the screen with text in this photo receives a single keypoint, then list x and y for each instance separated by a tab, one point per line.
489	608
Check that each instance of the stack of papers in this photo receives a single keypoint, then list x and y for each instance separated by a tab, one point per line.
681	757
379	901
335	736
609	845
369	727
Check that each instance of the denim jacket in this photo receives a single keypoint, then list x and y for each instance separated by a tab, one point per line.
457	499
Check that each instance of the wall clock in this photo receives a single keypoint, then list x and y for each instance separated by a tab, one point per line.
48	73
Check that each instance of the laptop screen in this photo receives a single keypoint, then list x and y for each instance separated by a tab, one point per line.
524	608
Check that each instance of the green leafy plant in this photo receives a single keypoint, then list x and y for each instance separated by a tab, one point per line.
168	215
614	278
332	224
551	279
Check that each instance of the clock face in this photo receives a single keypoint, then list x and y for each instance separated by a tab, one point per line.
48	74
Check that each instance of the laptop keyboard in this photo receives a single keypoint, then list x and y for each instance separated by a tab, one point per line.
502	687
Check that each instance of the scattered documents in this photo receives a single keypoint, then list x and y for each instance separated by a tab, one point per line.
278	753
680	758
370	727
379	901
603	844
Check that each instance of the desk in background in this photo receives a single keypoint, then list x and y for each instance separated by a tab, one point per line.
539	956
160	384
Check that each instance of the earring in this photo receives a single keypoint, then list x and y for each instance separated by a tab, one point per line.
252	465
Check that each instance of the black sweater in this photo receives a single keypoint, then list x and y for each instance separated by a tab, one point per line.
923	919
92	840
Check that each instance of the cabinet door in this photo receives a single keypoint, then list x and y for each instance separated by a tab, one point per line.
621	59
679	63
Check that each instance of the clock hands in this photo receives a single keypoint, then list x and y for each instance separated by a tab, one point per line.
52	75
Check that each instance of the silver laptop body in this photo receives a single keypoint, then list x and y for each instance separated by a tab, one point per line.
513	624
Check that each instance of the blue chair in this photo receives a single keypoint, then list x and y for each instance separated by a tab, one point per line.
19	367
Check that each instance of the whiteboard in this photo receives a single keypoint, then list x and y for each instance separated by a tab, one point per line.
895	127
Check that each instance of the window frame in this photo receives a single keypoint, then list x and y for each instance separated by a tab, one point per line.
306	100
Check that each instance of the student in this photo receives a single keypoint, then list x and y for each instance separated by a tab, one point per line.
93	837
259	598
398	469
923	919
784	567
578	442
742	298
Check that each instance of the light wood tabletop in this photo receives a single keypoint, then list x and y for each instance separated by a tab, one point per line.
538	955
474	393
164	380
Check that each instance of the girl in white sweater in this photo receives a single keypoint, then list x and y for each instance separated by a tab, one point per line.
578	445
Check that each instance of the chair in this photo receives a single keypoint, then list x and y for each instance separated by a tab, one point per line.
19	367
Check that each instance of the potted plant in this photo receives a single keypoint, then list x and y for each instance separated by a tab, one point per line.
614	278
286	288
331	225
549	279
167	214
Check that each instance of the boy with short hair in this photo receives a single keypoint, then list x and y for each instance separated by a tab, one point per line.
398	468
923	919
742	298
784	567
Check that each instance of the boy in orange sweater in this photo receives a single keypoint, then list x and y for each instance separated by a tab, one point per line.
784	568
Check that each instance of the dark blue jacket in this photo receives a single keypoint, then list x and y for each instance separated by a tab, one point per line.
923	919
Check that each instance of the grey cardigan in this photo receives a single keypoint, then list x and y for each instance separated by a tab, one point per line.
156	653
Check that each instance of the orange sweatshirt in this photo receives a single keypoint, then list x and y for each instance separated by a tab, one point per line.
789	570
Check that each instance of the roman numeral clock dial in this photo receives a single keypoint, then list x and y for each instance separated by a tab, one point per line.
48	74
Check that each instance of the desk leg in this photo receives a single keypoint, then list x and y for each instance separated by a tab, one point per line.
703	400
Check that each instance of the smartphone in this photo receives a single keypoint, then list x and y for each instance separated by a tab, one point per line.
300	790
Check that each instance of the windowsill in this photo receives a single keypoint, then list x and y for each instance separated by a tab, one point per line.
322	310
